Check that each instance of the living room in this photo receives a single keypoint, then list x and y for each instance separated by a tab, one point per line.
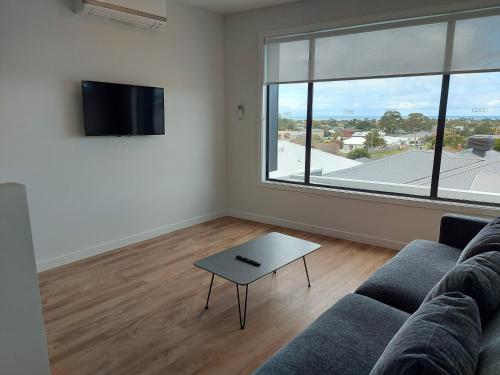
291	155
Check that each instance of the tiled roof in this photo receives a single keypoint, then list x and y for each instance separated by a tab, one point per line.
402	168
465	177
458	170
291	159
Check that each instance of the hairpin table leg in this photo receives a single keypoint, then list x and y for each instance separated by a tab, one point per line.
307	273
242	319
209	291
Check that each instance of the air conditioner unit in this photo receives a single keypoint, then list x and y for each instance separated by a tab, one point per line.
145	14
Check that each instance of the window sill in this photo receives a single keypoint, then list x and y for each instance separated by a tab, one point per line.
456	207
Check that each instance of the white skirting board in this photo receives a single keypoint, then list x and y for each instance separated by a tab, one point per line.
330	232
138	237
121	242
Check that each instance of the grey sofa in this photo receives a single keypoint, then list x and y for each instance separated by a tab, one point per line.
350	336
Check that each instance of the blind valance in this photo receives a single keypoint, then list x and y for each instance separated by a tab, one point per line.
455	45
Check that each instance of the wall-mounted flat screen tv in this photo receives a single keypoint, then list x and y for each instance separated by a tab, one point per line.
117	109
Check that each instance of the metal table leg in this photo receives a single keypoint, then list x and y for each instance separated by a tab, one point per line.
209	291
307	273
242	320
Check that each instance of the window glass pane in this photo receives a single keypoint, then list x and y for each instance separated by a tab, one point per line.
470	168
288	62
405	50
476	44
375	134
287	133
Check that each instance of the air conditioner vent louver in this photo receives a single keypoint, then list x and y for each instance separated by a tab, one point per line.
146	14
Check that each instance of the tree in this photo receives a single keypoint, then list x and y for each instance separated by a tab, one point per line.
316	124
362	125
417	122
496	145
450	140
285	123
391	121
483	129
331	122
365	124
337	135
465	130
373	139
358	153
351	124
453	140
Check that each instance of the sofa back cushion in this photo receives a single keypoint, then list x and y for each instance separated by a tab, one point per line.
478	278
488	239
441	337
489	357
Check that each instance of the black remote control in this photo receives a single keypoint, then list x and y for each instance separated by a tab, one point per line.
248	260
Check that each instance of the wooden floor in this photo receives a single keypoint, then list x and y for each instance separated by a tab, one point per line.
140	309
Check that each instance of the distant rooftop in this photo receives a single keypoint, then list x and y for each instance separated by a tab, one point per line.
360	139
291	159
464	170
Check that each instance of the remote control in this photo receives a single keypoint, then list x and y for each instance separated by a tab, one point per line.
248	260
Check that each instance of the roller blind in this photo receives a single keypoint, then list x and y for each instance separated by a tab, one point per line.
288	62
476	44
399	51
451	45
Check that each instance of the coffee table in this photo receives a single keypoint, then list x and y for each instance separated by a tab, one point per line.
273	251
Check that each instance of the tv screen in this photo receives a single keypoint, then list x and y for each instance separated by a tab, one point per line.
116	109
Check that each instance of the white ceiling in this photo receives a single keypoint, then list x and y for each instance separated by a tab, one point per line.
232	6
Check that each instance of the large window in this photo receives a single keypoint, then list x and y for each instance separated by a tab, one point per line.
289	132
402	108
470	164
365	130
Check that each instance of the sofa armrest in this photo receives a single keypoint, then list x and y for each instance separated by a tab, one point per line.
459	230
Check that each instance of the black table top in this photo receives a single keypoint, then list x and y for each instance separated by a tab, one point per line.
273	251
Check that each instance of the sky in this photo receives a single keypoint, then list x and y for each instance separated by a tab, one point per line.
470	95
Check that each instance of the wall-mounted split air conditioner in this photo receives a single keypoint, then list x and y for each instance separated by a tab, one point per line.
145	14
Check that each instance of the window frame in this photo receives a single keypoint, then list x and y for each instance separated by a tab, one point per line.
338	29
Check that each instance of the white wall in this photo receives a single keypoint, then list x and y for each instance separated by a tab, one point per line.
87	195
23	345
383	222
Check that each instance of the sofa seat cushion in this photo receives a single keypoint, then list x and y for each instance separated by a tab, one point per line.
489	357
347	339
488	239
406	279
441	338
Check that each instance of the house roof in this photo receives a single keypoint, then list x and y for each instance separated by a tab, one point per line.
462	170
355	141
391	140
458	171
291	159
360	140
491	154
470	177
359	134
487	182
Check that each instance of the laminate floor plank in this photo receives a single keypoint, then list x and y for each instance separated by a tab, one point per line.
140	309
